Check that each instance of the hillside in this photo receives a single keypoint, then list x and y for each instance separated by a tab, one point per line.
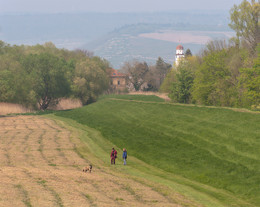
147	42
213	152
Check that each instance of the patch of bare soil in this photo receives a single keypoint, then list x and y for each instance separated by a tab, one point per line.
39	166
186	37
166	98
160	95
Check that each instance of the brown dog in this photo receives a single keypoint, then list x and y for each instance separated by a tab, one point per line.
87	168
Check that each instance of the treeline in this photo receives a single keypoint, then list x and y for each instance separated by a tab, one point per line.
225	73
223	76
38	76
144	77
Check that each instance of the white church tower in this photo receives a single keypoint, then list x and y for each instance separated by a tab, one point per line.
179	54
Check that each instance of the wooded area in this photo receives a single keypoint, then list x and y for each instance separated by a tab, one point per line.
38	76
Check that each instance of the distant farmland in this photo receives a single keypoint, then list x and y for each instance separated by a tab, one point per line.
186	37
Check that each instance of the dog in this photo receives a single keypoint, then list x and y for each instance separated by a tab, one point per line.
87	168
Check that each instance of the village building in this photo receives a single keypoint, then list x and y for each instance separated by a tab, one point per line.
117	80
179	54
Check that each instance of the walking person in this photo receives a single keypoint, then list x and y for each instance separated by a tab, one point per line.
124	155
112	156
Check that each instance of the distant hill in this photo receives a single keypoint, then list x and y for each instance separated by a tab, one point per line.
117	37
147	42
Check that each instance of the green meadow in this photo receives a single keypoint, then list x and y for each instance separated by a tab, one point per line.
210	155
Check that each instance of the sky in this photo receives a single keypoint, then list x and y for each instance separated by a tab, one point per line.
57	6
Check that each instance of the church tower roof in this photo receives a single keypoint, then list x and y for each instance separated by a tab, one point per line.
179	47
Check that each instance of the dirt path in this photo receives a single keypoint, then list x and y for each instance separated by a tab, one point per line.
149	93
40	167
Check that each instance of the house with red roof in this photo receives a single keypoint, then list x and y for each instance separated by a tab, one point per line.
117	80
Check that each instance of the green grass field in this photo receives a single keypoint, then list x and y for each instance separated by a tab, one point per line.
212	151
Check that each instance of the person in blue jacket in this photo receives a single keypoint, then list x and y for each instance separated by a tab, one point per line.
124	155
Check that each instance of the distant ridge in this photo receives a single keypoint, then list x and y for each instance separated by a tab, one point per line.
100	31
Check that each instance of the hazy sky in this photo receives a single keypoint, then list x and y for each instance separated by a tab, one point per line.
112	5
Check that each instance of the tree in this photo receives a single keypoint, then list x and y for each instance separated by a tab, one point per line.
166	86
162	68
7	73
48	78
13	81
244	20
90	79
250	83
3	47
137	72
7	92
214	46
38	76
212	85
188	53
181	87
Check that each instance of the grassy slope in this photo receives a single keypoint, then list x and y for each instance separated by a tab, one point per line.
195	145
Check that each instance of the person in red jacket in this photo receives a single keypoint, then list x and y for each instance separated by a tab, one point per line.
115	153
113	156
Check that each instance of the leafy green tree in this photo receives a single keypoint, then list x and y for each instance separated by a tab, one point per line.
244	20
188	53
7	92
181	87
90	79
250	83
166	86
48	77
13	81
3	47
162	68
212	84
38	76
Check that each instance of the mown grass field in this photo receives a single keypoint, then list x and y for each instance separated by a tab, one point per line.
212	151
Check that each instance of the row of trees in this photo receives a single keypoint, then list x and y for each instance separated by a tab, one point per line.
38	76
224	74
146	77
227	76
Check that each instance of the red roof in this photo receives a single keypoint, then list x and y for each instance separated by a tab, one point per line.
115	73
179	47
